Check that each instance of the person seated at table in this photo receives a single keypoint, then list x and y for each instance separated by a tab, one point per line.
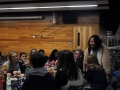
67	72
42	52
78	56
54	55
12	64
32	51
38	77
23	63
95	74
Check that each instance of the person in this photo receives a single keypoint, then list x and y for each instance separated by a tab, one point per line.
23	63
54	55
99	49
67	72
42	52
95	74
32	51
79	56
38	77
12	64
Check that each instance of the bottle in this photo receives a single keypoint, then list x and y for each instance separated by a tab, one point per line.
1	83
4	79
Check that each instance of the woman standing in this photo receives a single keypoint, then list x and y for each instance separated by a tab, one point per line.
96	47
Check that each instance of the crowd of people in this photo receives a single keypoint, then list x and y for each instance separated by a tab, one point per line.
74	68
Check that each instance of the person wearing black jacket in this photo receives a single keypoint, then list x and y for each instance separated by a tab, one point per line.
78	56
38	77
23	62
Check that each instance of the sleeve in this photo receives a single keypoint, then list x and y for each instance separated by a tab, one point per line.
85	56
105	59
88	75
61	79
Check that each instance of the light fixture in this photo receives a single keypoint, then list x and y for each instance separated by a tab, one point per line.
21	17
33	36
70	6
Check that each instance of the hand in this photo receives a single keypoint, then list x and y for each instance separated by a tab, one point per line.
26	63
107	73
16	72
9	74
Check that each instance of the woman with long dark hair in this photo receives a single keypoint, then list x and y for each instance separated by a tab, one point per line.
99	49
67	72
53	55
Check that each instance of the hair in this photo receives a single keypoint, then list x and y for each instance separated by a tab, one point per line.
22	53
11	64
0	54
32	50
52	55
93	63
81	52
98	42
66	63
41	50
37	60
73	51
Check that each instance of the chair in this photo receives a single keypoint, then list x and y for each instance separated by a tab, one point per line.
76	87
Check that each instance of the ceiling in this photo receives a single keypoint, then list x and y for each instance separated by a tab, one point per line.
5	5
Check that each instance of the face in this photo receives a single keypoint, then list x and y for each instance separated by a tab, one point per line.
42	53
77	55
33	51
23	57
56	54
14	57
85	63
92	43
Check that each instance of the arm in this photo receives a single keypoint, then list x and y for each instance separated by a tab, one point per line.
105	60
85	57
61	79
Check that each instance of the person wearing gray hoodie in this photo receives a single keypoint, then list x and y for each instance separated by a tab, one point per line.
38	77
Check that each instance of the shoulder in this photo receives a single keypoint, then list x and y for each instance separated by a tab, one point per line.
104	46
6	63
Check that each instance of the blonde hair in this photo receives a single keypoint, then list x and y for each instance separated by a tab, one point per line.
93	63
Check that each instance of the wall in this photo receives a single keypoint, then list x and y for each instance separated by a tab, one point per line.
18	34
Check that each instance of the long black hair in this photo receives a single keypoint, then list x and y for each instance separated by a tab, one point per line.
97	40
66	62
52	55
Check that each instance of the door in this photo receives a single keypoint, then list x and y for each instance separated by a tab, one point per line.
81	34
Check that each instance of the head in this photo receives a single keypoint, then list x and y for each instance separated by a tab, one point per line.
37	60
66	62
92	63
32	51
94	42
13	58
79	54
23	56
92	59
54	54
41	51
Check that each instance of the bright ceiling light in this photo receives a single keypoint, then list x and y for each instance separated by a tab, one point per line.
72	6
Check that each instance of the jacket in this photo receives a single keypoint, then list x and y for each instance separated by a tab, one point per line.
104	59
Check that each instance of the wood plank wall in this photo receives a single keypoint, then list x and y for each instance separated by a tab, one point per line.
17	34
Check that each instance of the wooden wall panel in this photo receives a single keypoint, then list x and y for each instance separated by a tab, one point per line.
17	34
85	33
